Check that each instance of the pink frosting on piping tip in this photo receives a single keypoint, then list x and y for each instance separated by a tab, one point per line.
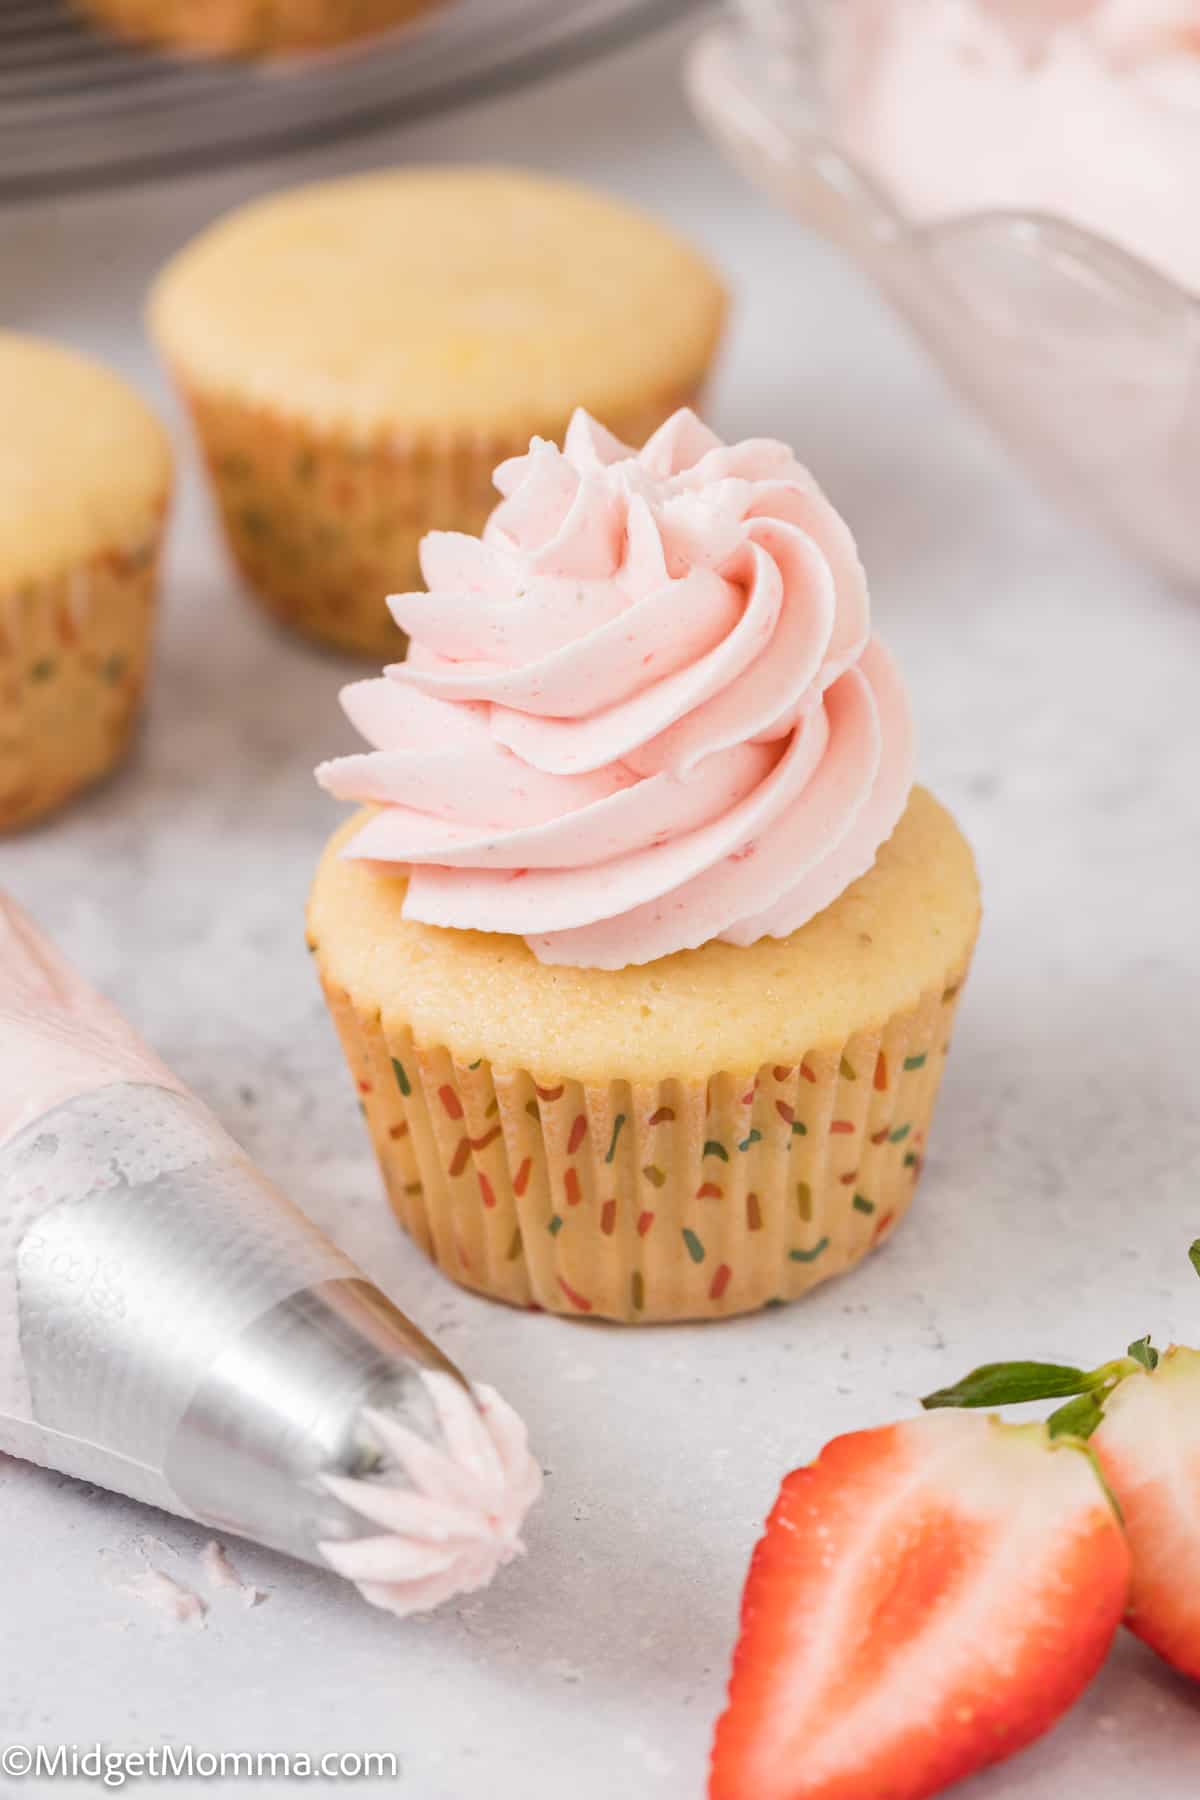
643	710
450	1513
59	1038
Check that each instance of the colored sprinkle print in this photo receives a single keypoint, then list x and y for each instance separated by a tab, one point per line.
458	1161
42	670
881	1073
720	1282
450	1101
531	1107
807	1256
887	1219
949	994
713	1148
473	1066
880	1137
577	1300
412	1187
901	1132
708	1190
915	1062
364	1087
608	1217
487	1192
555	1225
755	1137
664	1116
637	1291
578	1133
645	1221
398	1131
555	1093
616	1132
910	1159
402	1081
654	1175
695	1248
799	1128
849	1178
842	1126
786	1112
847	1070
514	1248
748	1099
753	1213
489	1137
807	1072
781	1072
862	1204
521	1178
571	1187
804	1200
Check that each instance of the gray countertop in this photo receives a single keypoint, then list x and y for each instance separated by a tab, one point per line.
1055	688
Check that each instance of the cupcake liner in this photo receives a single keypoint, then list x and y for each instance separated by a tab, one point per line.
324	526
248	27
650	1202
74	657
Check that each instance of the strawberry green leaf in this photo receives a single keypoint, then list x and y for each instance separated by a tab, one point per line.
1078	1418
1143	1352
1011	1384
1194	1256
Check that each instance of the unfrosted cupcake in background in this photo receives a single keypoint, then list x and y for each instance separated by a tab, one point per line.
250	27
644	955
358	356
85	475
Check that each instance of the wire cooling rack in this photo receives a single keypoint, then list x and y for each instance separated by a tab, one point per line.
79	109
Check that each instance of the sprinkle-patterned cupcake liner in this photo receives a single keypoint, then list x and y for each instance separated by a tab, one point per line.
325	527
74	657
651	1202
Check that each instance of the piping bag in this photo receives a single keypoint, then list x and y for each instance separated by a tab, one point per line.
173	1328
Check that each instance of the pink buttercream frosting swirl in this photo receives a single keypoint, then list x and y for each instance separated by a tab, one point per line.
643	710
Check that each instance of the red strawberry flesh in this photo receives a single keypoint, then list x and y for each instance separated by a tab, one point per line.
1149	1448
926	1599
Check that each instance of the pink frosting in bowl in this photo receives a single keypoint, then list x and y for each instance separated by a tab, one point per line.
643	710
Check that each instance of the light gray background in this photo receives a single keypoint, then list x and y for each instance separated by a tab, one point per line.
1056	689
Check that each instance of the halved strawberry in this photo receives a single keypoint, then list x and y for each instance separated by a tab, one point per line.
926	1599
1149	1448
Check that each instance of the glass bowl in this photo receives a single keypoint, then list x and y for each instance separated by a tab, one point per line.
1081	357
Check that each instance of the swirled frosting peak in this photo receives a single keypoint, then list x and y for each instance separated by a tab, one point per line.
643	710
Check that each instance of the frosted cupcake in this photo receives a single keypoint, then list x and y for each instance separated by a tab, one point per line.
435	319
250	27
645	952
85	473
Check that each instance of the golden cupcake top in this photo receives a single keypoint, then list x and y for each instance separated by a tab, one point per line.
84	464
437	302
887	940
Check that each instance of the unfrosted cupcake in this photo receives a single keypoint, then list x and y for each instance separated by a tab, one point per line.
359	355
250	27
85	474
645	953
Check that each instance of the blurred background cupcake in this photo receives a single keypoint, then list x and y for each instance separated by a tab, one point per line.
250	27
85	475
358	356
